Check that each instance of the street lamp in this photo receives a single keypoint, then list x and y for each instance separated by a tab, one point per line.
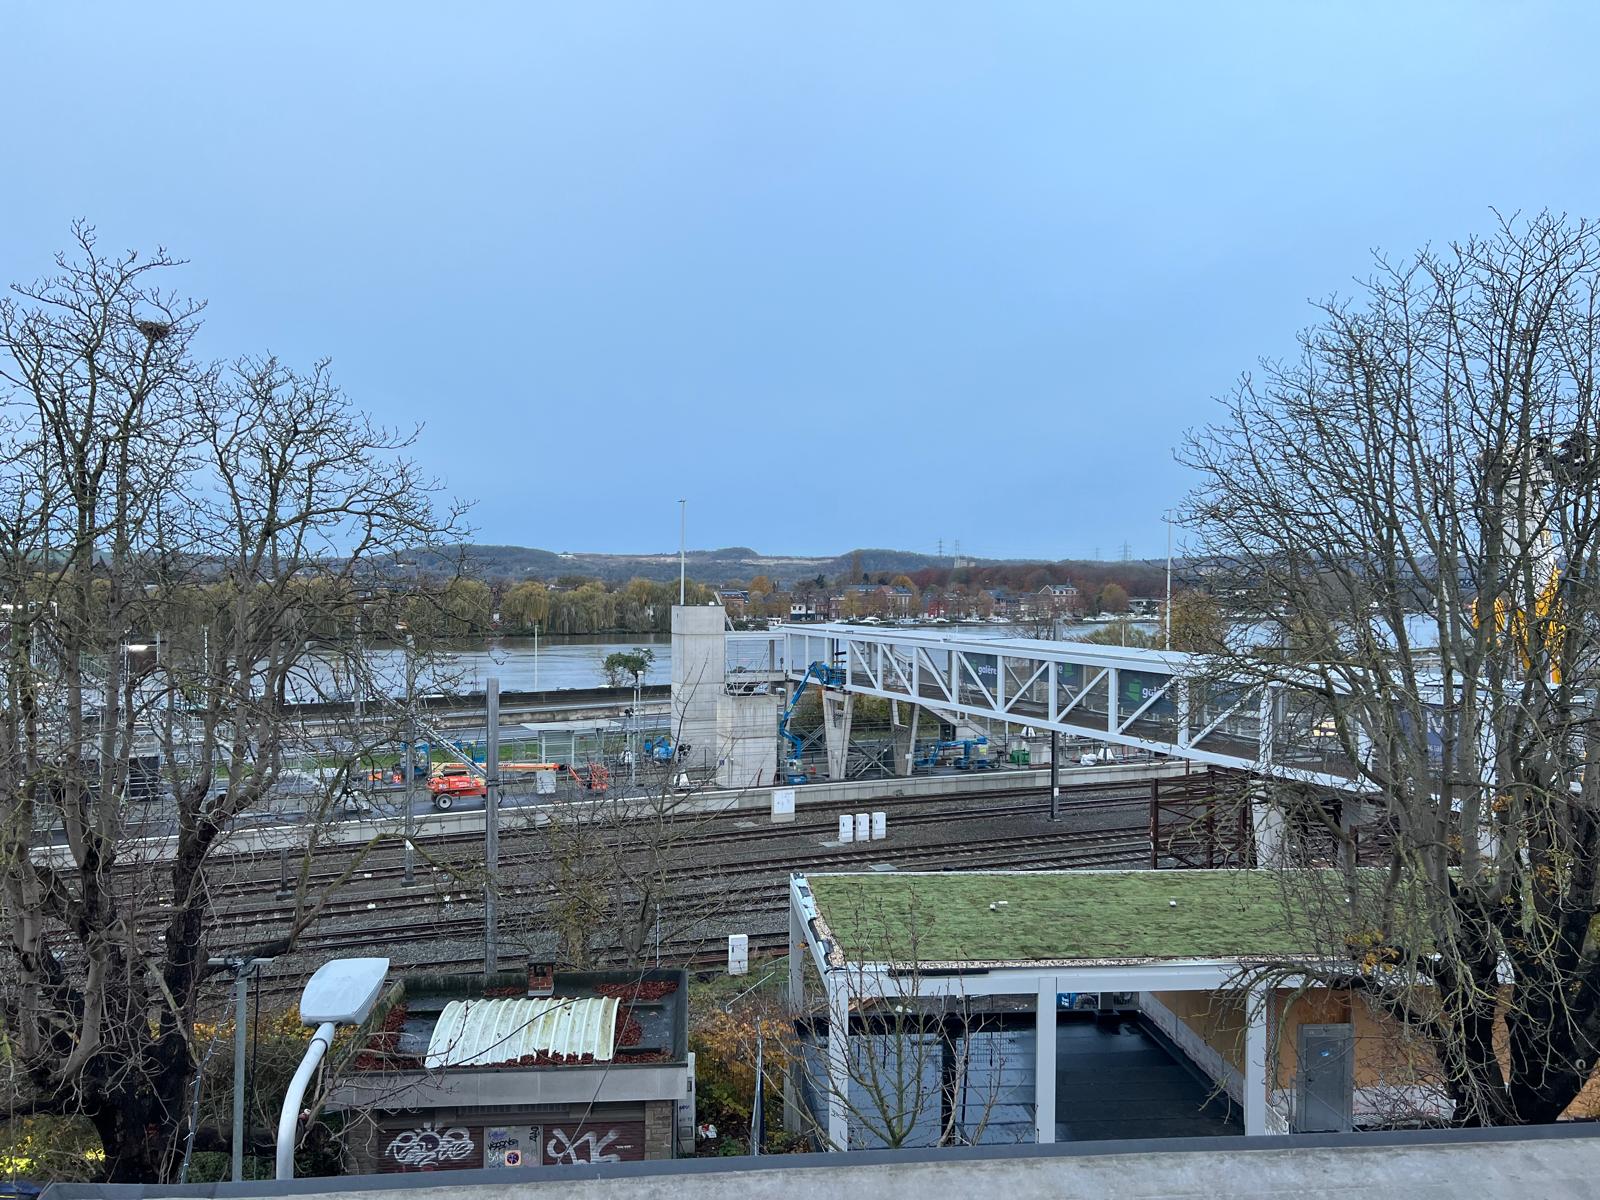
1167	612
128	649
633	737
342	992
408	878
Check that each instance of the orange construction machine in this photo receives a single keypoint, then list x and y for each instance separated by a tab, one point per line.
449	780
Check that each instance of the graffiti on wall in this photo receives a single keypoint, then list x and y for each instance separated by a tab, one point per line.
563	1148
513	1146
420	1149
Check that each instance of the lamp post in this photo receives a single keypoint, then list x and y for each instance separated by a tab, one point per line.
491	830
536	657
633	737
1167	612
408	878
342	992
356	683
129	649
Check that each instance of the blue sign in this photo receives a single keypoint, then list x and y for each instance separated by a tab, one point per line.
984	669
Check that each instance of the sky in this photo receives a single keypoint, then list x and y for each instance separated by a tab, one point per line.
838	274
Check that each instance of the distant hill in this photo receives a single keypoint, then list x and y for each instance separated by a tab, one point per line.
704	566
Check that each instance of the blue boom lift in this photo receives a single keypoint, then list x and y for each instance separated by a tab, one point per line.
825	676
659	749
967	760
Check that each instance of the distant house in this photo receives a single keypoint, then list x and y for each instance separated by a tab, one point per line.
882	599
858	600
735	600
1052	599
1147	607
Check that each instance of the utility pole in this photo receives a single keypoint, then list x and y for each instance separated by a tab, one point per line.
241	967
1167	639
491	830
409	876
166	686
356	678
241	986
1055	775
536	656
683	546
633	737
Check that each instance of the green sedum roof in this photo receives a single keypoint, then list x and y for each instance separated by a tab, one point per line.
1055	916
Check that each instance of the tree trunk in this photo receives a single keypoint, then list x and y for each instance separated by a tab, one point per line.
131	1139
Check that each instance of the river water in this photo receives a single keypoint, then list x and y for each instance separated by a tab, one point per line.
565	661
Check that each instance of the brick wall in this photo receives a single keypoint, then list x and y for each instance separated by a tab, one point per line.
660	1119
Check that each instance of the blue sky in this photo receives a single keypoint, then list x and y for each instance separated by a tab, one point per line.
840	274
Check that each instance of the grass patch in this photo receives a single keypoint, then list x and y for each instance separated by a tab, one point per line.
1069	915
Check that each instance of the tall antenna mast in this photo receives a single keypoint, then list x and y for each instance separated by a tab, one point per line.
683	527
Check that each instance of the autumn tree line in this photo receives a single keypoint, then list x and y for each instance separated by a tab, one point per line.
1102	587
465	607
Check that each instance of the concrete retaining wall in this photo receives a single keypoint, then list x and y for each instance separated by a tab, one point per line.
1551	1163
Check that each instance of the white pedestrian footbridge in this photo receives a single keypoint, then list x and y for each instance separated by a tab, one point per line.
1163	701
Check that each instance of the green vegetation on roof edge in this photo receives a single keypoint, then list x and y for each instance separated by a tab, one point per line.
1067	915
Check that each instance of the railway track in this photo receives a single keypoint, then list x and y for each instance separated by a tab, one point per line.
1085	798
1002	850
756	900
248	908
1005	849
737	857
390	867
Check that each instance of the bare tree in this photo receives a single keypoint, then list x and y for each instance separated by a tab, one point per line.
174	536
1405	518
1040	623
625	870
925	1064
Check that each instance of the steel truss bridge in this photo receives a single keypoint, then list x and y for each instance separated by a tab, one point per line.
1157	700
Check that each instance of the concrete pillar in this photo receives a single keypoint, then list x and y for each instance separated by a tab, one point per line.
797	962
1255	1063
699	671
793	1119
837	711
1044	1062
838	1062
905	741
1267	824
747	738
